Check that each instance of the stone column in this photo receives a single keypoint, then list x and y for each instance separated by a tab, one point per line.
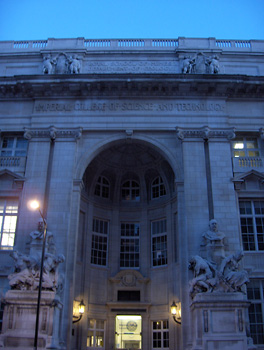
63	216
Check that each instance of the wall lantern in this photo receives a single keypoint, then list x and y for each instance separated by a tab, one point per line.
81	312
176	312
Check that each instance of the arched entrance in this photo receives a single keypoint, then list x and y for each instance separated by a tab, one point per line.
127	244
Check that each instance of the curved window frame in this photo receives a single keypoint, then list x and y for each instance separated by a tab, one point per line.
130	191
158	189
102	187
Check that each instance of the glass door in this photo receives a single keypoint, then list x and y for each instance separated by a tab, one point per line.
128	332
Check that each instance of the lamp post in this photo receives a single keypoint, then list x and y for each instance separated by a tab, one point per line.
34	205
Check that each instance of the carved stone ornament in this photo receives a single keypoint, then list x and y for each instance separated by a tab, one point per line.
48	65
200	64
217	272
27	267
52	133
61	64
205	133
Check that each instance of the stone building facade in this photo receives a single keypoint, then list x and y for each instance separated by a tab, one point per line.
132	147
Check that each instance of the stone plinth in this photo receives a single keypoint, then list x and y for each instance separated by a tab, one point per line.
20	318
219	321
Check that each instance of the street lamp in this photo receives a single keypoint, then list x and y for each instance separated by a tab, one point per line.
34	205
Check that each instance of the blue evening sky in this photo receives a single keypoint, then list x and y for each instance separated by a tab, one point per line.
104	19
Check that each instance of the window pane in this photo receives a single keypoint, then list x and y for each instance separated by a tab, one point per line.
129	245
8	222
252	144
159	242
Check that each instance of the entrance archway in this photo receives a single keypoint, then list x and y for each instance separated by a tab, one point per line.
127	223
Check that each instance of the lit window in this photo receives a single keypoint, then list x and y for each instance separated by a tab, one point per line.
158	188
245	147
159	242
129	250
102	187
252	224
8	222
14	146
255	293
160	335
95	338
130	191
99	242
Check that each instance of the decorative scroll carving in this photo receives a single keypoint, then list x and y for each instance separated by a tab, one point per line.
218	272
205	133
53	133
27	267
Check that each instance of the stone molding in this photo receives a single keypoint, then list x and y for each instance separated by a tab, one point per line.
53	133
175	85
205	133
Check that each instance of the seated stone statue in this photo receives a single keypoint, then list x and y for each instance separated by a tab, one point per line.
230	270
204	273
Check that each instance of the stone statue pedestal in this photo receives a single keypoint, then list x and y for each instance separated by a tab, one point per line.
220	321
19	320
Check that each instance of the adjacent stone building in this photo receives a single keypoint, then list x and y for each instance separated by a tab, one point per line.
132	148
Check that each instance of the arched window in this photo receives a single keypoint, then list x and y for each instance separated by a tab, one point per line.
158	188
130	191
102	187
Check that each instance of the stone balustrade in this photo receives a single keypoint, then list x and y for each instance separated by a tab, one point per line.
241	164
132	44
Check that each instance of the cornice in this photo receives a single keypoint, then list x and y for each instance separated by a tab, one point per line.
132	85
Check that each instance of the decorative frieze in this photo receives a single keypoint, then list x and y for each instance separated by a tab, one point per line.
52	133
205	133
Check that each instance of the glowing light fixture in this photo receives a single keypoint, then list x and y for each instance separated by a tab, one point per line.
176	312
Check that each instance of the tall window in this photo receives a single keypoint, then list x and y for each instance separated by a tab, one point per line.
102	187
160	335
95	338
14	146
159	242
245	147
255	292
99	242
8	222
129	249
130	191
158	188
252	224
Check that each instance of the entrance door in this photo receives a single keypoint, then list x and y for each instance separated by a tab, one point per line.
128	332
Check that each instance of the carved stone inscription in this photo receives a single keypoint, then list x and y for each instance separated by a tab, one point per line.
132	67
85	106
